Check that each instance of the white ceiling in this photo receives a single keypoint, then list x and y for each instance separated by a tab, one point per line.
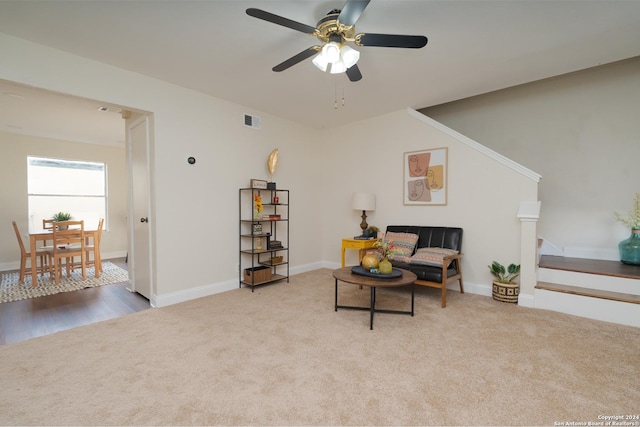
475	46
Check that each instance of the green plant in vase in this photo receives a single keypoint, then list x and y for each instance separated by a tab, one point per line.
504	287
504	275
630	248
61	216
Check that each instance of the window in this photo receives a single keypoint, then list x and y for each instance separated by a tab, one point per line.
77	187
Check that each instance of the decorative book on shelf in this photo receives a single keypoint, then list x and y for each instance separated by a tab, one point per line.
274	244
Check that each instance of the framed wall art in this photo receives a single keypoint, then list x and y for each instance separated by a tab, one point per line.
425	177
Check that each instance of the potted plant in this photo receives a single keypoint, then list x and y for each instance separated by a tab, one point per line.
630	248
61	216
372	231
504	288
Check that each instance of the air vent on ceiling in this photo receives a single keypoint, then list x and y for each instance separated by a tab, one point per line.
252	121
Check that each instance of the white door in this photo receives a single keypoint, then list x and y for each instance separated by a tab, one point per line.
140	275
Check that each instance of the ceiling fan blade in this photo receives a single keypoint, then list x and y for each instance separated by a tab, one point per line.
285	22
307	53
354	73
391	40
351	12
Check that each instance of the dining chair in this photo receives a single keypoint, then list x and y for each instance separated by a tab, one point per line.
68	242
96	262
43	256
47	224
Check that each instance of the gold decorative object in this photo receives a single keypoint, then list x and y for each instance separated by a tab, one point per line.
370	260
272	163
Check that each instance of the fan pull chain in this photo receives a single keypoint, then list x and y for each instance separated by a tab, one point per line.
335	96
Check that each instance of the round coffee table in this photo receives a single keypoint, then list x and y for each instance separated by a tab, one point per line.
345	275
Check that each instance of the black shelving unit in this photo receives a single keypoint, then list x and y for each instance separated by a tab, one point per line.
261	261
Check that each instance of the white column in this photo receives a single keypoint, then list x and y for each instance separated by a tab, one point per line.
528	214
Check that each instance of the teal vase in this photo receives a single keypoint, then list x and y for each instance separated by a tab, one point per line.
630	248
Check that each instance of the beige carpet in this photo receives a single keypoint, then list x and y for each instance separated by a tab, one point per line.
283	356
12	290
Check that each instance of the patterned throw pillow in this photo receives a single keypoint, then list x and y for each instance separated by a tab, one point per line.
400	258
431	256
403	244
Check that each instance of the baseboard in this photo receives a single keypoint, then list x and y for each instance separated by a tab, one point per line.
472	288
194	293
216	288
7	266
114	254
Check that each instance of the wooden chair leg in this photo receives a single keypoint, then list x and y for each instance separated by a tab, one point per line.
23	267
84	268
444	295
56	270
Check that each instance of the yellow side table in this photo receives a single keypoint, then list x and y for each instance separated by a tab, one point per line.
361	245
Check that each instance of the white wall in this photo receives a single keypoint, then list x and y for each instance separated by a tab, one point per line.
194	212
581	132
368	156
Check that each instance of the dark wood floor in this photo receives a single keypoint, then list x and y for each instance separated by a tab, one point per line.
592	266
22	320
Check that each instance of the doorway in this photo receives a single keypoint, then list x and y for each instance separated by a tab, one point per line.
46	117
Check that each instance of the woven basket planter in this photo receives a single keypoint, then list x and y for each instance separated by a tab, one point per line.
506	292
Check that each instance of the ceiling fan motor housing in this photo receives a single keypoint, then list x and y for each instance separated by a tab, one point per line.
330	30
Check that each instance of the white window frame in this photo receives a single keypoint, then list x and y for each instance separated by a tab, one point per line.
46	196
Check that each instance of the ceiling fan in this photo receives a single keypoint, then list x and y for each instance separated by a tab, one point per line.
334	31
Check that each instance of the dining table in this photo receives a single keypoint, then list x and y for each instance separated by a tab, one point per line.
47	234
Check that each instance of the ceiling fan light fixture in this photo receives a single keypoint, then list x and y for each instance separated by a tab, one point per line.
338	67
333	31
321	62
331	52
349	56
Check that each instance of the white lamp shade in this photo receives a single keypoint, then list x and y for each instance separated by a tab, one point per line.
321	62
336	58
331	52
338	67
364	201
349	56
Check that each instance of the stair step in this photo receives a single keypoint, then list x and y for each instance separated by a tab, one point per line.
591	266
588	292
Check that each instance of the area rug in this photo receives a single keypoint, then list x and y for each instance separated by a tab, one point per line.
12	290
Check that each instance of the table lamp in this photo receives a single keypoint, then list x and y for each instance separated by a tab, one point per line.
364	202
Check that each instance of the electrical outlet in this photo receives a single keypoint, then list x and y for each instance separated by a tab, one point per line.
237	268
